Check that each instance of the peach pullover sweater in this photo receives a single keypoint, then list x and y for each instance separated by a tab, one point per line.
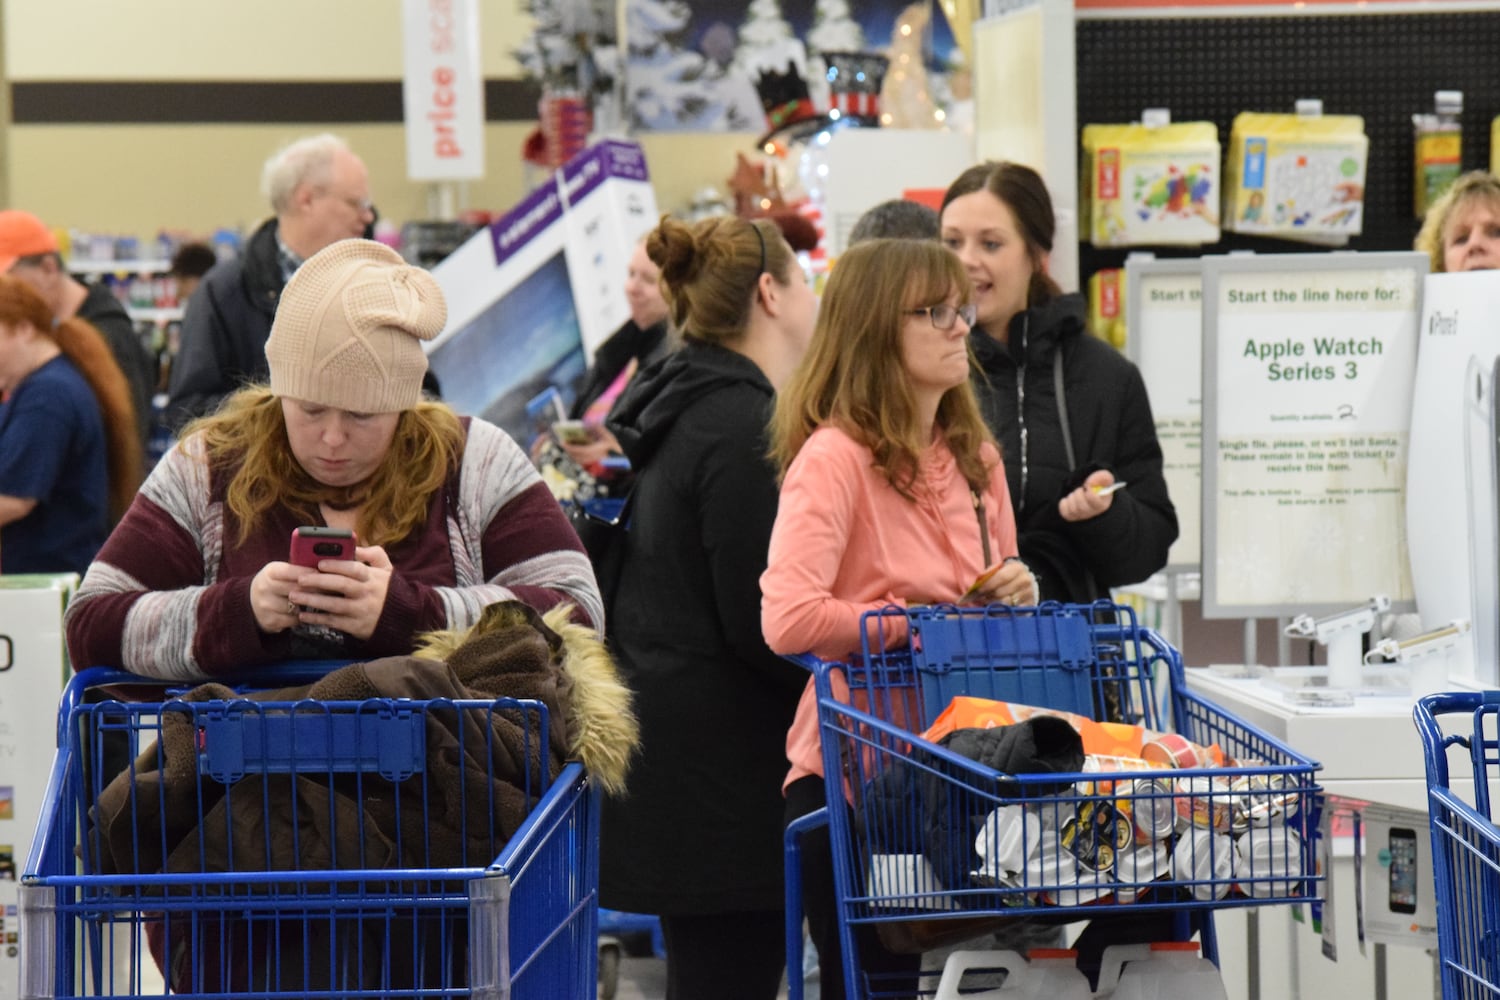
846	542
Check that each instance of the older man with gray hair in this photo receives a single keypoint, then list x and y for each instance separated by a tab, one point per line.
320	193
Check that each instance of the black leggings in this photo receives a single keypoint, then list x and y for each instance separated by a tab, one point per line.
725	956
819	906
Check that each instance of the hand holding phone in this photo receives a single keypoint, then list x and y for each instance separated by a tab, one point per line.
311	544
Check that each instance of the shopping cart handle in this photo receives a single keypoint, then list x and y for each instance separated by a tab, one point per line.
808	661
1435	742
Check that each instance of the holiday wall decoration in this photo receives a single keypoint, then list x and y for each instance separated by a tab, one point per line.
694	67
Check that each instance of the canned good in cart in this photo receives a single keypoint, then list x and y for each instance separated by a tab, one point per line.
1205	859
1269	861
1125	830
1096	833
1204	803
1151	804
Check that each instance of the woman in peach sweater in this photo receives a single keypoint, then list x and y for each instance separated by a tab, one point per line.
892	493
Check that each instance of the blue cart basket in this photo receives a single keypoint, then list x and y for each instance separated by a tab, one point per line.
376	848
1465	840
891	867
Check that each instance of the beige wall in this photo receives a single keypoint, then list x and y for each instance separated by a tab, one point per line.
229	39
136	179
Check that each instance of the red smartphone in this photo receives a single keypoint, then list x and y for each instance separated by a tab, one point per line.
312	543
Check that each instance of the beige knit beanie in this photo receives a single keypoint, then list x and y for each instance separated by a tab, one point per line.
347	328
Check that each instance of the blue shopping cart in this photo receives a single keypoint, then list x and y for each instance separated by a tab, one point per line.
379	848
1465	840
921	820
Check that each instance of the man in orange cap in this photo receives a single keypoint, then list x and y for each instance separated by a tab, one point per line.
29	251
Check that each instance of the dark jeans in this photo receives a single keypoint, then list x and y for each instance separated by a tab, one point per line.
725	956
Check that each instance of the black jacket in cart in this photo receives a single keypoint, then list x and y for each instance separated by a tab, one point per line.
699	830
1111	427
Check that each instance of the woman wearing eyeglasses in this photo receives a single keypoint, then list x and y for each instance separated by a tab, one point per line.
892	492
1069	411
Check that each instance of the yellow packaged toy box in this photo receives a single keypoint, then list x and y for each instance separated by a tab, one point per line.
1107	306
1296	177
1151	185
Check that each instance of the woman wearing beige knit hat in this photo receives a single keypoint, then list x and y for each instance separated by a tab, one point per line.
449	514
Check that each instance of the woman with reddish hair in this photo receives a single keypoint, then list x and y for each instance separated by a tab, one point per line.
70	460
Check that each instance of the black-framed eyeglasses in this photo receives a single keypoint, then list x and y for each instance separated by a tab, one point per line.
943	315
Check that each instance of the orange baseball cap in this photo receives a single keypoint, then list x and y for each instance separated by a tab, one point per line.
23	235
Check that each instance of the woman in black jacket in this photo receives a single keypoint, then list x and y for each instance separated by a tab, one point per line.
697	838
1070	412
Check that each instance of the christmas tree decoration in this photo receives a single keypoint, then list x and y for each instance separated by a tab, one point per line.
905	97
669	87
767	42
834	30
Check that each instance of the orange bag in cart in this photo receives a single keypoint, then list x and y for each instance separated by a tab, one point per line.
1108	739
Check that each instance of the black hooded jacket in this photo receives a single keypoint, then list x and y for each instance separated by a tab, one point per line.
1112	428
700	828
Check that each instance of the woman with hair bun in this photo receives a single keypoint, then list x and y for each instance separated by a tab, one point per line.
698	839
70	460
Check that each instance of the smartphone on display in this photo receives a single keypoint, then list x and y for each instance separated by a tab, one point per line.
1482	438
1403	847
310	544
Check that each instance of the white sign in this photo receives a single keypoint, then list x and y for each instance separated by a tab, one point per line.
1451	489
1164	317
32	671
1307	371
443	90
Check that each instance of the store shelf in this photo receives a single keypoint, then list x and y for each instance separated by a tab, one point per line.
119	266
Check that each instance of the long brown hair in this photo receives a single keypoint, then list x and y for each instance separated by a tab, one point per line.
854	377
1020	189
248	434
85	347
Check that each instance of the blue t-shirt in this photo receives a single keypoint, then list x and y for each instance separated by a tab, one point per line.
52	450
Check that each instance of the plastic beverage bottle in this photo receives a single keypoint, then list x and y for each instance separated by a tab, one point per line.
1051	974
1166	970
1054	975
